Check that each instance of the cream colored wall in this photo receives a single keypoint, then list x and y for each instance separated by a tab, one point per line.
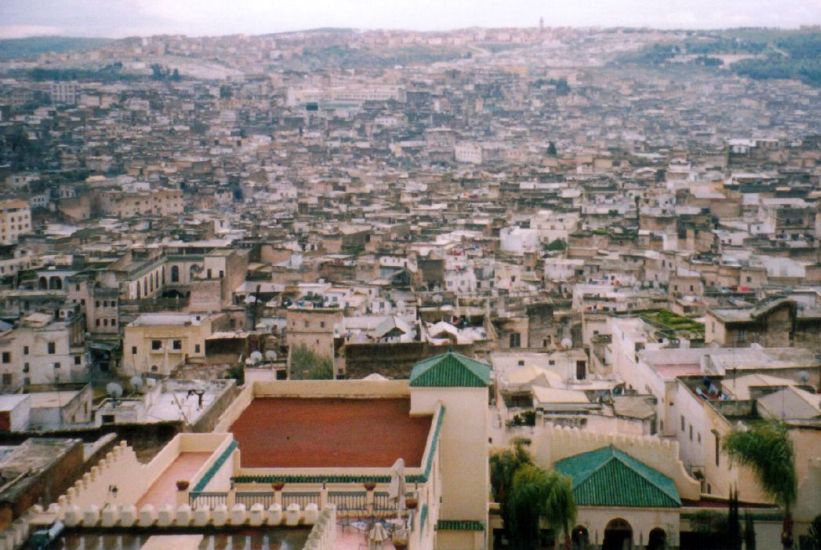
121	468
807	443
464	448
555	443
641	520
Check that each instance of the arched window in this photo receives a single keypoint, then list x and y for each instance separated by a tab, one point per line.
55	283
175	274
43	283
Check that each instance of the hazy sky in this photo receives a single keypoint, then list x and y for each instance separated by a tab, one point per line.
118	18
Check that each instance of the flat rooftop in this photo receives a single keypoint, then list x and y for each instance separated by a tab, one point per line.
330	432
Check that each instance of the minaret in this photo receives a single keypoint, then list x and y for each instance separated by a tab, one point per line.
541	24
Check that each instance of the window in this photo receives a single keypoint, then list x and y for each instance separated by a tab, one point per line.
177	344
133	350
691	432
57	365
7	357
156	345
515	340
97	322
718	448
682	422
196	348
77	359
52	348
581	370
7	379
175	274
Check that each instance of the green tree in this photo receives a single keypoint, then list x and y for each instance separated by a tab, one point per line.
749	532
560	506
766	448
307	365
503	466
539	495
733	522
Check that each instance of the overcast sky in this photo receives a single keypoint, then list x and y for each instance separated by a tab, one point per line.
118	18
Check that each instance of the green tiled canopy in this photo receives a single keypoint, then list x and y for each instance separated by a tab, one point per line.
610	477
450	370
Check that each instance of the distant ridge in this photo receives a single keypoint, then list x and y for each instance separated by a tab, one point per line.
18	48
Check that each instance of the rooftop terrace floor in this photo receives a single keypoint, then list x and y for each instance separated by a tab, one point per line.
164	490
320	432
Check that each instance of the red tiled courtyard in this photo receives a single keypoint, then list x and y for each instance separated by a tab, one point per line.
316	433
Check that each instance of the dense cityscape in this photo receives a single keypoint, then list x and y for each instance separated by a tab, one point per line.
486	288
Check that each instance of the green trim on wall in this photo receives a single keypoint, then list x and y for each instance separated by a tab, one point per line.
214	468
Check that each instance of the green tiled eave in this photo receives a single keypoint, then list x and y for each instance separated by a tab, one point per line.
450	370
610	477
459	525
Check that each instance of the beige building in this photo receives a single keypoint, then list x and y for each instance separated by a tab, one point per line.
154	202
157	343
42	350
15	220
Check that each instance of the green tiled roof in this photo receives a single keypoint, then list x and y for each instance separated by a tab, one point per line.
450	370
610	477
459	525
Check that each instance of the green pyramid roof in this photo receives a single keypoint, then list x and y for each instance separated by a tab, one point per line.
610	477
450	370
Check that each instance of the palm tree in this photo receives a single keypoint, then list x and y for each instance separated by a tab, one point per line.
766	448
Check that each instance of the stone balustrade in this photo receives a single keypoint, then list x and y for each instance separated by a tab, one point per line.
168	516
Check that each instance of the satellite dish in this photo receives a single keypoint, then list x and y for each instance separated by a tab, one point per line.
114	390
567	343
136	383
150	382
256	357
270	355
804	377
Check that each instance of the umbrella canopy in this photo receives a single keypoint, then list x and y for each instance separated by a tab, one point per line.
378	533
396	490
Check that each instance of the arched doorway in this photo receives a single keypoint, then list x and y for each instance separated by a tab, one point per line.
580	538
618	535
657	540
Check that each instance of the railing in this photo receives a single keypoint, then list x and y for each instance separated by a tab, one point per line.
302	498
199	499
348	500
383	503
266	498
